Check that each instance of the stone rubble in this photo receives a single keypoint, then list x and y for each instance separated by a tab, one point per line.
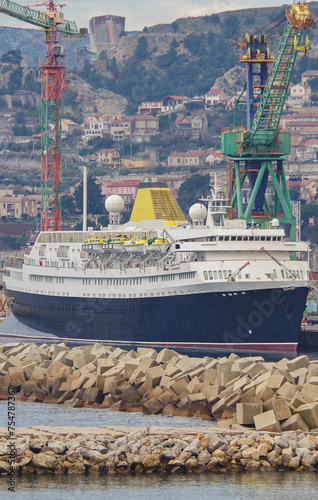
157	450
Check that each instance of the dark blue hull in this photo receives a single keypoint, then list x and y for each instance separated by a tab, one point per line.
266	319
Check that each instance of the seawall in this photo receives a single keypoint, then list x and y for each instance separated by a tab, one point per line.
58	450
272	401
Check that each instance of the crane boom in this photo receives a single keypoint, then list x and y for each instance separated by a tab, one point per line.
37	18
266	120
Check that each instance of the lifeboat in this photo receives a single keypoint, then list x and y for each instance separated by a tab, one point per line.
136	246
93	245
157	245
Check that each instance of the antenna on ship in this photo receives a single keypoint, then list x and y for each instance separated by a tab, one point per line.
84	170
217	206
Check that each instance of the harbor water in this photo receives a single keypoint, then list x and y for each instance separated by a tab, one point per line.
35	414
271	485
236	485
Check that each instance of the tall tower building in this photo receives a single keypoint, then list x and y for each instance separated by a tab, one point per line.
104	32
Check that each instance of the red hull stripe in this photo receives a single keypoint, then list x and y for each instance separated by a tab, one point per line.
281	347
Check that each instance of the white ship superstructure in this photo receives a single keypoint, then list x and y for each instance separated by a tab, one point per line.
211	283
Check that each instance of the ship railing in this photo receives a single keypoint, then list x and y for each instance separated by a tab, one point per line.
125	264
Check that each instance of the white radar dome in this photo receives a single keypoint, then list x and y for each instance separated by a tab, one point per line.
114	204
275	223
198	212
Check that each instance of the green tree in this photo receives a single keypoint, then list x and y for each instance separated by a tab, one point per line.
231	26
310	233
213	18
100	142
195	44
307	211
294	194
68	205
23	130
192	189
13	56
30	83
15	80
95	203
69	97
103	55
313	84
175	26
20	118
8	242
192	106
141	51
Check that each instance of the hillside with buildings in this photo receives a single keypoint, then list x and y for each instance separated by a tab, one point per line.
148	104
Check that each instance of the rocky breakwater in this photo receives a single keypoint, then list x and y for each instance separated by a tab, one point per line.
45	452
238	392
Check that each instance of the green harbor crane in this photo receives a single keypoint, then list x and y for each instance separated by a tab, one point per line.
257	154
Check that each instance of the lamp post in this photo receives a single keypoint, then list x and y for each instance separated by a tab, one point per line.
84	169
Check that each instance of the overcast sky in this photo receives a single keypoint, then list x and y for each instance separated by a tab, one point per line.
140	13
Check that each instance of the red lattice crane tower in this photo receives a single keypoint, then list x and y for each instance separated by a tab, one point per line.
53	83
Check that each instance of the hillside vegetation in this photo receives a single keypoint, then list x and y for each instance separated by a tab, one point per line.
184	57
187	56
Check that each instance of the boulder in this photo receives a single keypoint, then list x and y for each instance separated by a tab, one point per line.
44	461
4	467
151	461
56	446
294	462
76	468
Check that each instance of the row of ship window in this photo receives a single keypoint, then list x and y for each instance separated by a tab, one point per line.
137	281
131	295
46	279
247	238
114	281
224	274
221	274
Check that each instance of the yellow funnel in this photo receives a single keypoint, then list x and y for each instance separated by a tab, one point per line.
154	201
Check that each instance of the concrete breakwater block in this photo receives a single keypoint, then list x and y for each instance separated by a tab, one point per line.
267	421
309	413
245	412
237	391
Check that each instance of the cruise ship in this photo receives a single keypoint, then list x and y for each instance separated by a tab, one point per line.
162	281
